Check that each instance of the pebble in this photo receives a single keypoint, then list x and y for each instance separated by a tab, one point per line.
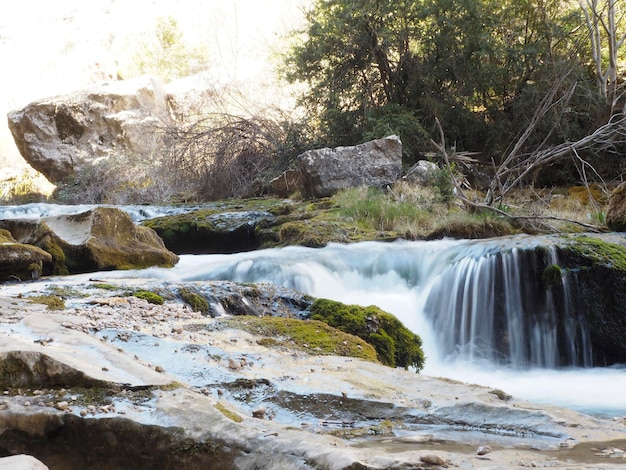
433	459
483	450
62	405
568	444
259	412
234	365
159	369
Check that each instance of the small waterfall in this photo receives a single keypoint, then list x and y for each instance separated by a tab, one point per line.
497	308
479	301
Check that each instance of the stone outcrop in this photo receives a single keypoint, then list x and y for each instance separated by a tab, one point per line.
99	239
375	163
59	136
210	231
20	261
171	388
616	211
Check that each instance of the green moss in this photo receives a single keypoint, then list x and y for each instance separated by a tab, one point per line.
312	336
600	251
551	275
151	297
104	286
228	413
66	292
59	266
194	300
395	344
53	302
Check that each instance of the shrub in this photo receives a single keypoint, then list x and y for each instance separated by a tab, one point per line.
395	345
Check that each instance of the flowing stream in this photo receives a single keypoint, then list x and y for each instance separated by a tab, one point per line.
482	315
444	291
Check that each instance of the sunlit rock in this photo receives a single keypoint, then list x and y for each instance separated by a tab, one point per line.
62	135
99	239
20	261
375	163
21	462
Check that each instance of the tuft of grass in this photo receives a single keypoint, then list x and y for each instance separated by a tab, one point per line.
374	209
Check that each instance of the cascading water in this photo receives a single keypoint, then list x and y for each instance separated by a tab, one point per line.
496	308
483	312
474	301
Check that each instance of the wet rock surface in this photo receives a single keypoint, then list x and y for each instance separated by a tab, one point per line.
116	382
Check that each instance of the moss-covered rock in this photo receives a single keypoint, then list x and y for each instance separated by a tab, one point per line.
596	272
311	336
20	261
100	239
395	344
195	300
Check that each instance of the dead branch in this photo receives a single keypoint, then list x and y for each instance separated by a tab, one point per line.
469	204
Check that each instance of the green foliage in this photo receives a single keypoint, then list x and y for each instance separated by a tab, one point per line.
480	67
151	297
53	302
394	343
600	251
164	52
373	208
551	275
444	183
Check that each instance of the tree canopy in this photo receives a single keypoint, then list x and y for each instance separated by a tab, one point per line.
480	67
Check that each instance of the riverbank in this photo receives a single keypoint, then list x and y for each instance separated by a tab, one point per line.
167	369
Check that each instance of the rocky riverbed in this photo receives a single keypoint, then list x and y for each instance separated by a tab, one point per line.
112	381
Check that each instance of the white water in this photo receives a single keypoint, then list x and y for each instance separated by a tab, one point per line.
399	277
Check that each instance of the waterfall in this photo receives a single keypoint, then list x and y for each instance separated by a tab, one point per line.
481	307
471	301
497	308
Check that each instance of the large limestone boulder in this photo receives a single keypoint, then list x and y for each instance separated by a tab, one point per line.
375	163
19	261
61	135
100	239
616	212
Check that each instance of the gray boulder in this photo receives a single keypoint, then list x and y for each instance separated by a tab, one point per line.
59	136
104	238
375	163
423	173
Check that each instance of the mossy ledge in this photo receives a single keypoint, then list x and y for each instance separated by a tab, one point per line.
395	344
310	336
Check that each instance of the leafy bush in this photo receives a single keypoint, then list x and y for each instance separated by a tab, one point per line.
394	343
